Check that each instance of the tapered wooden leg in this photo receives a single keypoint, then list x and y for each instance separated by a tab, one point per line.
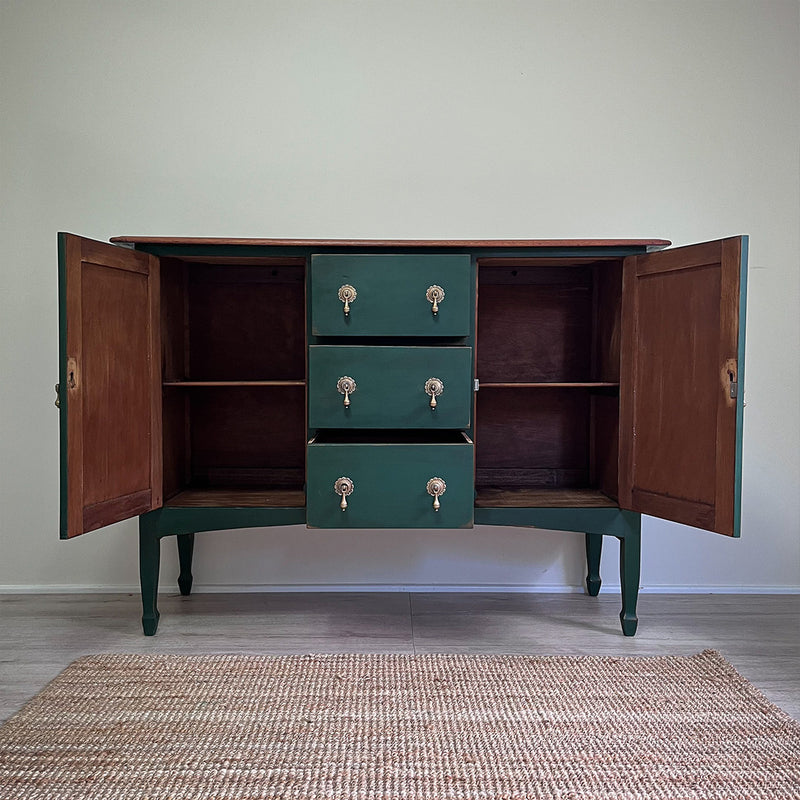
149	564
630	547
185	551
594	547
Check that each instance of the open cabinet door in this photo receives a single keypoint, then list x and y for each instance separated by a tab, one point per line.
681	387
109	384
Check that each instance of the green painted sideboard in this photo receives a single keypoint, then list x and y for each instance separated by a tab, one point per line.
211	384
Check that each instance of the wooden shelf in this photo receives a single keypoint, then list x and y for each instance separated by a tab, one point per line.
192	384
551	385
542	498
238	498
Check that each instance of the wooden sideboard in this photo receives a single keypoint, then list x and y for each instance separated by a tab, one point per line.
212	384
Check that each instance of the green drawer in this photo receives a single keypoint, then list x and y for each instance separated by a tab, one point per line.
390	387
390	478
391	295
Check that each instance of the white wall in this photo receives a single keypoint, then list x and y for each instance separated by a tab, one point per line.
399	119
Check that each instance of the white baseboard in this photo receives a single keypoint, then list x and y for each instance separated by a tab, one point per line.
171	588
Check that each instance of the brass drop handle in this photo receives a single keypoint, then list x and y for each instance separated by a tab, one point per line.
435	295
436	488
433	387
343	487
58	396
347	294
346	386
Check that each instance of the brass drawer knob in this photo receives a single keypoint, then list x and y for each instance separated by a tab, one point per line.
435	295
343	487
436	488
347	294
346	386
433	387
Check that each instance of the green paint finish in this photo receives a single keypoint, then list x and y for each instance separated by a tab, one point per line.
390	387
594	549
391	297
185	553
172	521
737	491
630	550
149	566
184	523
390	485
608	521
596	523
62	381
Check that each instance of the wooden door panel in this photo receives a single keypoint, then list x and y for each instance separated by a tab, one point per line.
680	413
110	384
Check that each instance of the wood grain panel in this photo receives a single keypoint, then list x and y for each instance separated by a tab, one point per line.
606	313
727	490
106	512
604	458
542	498
239	498
237	430
93	252
534	332
246	323
677	418
176	451
174	320
676	415
113	383
116	458
544	433
72	357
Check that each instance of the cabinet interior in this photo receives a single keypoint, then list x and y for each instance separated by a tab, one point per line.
548	363
234	381
233	344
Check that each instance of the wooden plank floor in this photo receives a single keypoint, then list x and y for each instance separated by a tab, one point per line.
41	634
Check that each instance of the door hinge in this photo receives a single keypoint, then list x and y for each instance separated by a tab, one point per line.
476	385
734	389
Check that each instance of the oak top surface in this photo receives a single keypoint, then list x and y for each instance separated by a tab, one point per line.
377	243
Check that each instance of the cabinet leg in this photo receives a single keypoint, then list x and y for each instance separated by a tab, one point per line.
185	551
149	564
630	546
594	547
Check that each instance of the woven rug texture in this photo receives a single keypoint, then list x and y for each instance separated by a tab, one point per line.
399	727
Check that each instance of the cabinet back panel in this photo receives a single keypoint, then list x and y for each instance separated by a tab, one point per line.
173	320
175	437
532	437
534	332
604	472
607	324
246	322
247	436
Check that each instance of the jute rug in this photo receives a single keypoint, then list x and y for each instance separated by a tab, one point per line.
410	727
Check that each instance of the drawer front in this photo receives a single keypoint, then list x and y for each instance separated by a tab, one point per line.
390	387
390	485
390	295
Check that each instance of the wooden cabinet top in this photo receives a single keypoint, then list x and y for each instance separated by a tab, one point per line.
494	244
